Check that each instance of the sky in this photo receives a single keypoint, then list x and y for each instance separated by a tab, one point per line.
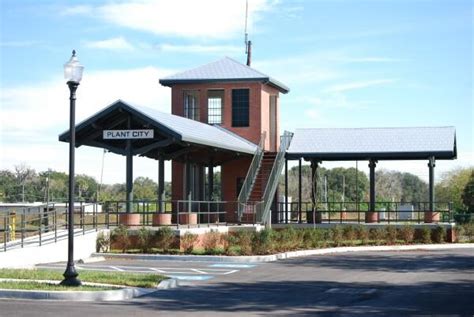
386	63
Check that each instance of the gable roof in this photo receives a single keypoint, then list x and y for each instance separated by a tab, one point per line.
374	143
180	130
223	70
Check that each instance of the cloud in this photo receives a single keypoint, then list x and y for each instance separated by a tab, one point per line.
358	85
117	43
182	18
196	49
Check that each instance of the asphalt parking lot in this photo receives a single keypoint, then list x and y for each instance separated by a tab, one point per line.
408	283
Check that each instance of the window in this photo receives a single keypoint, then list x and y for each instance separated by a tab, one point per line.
240	107
191	104
215	104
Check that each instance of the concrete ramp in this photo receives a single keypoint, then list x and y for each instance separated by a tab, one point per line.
49	251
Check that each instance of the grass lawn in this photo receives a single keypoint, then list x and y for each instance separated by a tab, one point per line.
113	278
31	285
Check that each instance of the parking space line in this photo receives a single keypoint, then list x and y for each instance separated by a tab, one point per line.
199	271
116	268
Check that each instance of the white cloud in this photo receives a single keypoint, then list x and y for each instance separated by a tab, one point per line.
358	85
183	18
193	49
32	117
117	43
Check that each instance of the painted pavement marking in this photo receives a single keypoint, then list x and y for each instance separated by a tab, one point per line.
233	265
192	277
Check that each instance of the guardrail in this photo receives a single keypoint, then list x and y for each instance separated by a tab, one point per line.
341	212
34	225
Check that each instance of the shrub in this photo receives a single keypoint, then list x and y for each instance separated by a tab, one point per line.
289	239
121	238
312	237
165	237
423	235
187	242
144	239
377	235
349	233
390	235
263	242
469	231
244	240
211	241
103	242
362	234
229	241
406	233
337	235
438	234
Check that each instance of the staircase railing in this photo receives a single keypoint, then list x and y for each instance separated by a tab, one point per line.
274	177
251	175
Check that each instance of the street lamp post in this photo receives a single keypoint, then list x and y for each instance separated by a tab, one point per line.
73	74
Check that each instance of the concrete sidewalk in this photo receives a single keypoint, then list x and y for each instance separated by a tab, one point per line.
285	255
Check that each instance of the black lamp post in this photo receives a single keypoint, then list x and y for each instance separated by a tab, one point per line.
73	74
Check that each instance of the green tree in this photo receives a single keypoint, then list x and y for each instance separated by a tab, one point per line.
468	194
145	188
451	187
7	186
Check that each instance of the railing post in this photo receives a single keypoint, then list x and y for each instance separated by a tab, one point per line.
22	228
40	227
5	232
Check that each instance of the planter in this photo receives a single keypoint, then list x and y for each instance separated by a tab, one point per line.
129	219
161	219
431	216
188	219
371	217
318	217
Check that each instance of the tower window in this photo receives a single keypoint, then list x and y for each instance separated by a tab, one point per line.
240	107
215	104
191	104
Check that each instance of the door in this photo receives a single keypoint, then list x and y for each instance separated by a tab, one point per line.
273	123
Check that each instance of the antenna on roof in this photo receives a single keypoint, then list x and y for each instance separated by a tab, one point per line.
248	44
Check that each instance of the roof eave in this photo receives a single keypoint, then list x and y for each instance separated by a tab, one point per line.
440	155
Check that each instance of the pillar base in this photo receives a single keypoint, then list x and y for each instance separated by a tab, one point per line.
451	235
188	219
371	217
129	219
161	219
431	216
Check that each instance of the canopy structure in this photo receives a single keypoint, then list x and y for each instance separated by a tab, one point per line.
374	144
174	137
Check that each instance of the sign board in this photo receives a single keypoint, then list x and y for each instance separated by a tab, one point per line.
127	134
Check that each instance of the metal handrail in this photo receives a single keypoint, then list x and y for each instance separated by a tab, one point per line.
251	175
273	179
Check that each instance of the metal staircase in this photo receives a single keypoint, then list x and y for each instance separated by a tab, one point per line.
261	182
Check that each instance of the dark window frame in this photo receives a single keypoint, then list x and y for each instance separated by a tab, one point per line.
241	107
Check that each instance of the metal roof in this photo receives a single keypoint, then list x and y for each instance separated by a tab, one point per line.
374	143
178	130
225	69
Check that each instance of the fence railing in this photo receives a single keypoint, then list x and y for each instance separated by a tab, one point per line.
251	175
387	212
44	223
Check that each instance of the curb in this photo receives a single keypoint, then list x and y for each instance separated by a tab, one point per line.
284	255
84	296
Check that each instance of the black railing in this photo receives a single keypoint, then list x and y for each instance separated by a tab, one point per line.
387	212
